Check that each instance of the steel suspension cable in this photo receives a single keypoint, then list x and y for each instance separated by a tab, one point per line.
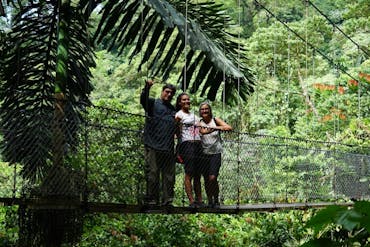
338	28
141	50
185	45
336	110
359	115
309	44
305	85
241	116
274	71
288	83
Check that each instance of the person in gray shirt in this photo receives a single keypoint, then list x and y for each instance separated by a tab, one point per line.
159	131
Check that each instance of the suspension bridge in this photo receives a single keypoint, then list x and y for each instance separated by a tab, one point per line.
102	168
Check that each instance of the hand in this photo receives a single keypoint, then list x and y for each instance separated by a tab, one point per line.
225	128
149	82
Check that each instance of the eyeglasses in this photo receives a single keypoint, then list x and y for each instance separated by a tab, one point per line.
204	109
168	91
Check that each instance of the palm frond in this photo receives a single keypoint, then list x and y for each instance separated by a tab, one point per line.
2	11
151	26
32	71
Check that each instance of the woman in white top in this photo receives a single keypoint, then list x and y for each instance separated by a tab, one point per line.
190	149
212	149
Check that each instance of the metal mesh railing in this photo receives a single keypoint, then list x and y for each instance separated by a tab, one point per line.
264	169
99	157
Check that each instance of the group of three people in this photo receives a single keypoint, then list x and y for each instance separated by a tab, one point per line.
199	146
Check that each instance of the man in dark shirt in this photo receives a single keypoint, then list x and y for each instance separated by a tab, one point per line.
159	133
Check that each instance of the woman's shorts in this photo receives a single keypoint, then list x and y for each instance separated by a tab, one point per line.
214	163
191	153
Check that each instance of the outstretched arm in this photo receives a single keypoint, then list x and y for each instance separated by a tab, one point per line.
145	100
222	125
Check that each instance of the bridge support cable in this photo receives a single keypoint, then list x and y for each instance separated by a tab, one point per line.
330	60
338	28
14	194
240	110
86	159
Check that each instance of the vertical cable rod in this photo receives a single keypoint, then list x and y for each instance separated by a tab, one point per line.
239	105
185	45
288	83
305	84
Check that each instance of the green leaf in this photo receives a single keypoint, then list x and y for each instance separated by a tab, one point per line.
45	53
151	25
324	217
349	219
363	208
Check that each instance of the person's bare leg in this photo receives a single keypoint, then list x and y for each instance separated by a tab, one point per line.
188	188
198	189
207	189
216	191
213	189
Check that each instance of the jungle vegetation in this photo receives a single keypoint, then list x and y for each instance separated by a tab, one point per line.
288	68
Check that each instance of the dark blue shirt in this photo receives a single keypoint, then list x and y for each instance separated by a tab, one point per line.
160	122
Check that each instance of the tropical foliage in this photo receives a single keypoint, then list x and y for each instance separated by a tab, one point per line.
47	56
307	75
340	226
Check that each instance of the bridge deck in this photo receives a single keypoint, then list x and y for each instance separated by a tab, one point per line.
136	209
104	164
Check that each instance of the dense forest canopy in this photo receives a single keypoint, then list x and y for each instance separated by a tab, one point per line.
307	62
287	68
310	60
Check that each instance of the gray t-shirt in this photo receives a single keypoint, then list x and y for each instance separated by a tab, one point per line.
211	142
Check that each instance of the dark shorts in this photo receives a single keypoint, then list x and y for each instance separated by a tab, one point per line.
214	163
191	153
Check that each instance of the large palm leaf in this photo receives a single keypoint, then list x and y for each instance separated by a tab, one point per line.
48	53
2	11
163	28
45	61
46	56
